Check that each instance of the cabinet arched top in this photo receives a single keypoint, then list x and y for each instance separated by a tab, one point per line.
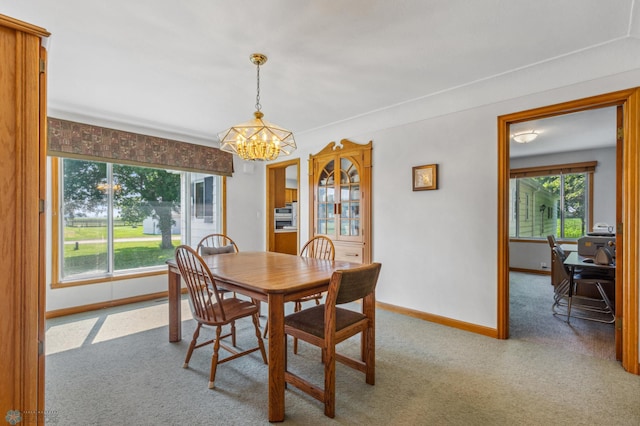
345	146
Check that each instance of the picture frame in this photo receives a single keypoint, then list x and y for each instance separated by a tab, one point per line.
425	178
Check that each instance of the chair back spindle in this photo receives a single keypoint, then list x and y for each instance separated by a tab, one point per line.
200	284
319	247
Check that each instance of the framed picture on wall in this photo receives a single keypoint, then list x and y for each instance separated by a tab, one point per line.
425	177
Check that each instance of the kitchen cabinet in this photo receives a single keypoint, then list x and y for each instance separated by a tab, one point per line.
340	193
286	241
23	130
290	195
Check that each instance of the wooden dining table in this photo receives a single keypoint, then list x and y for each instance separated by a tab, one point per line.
270	277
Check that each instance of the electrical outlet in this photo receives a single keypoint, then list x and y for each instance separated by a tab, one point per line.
543	265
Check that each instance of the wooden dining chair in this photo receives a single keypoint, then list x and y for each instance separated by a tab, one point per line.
216	244
209	308
319	247
327	325
219	244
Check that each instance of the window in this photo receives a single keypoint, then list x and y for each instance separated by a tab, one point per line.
119	219
552	200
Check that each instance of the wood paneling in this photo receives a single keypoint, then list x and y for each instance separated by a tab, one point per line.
22	130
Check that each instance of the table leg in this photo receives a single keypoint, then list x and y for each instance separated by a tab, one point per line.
276	357
572	272
175	316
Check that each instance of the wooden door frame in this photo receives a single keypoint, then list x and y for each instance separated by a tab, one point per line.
270	171
628	270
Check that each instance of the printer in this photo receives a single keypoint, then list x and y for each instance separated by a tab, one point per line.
591	242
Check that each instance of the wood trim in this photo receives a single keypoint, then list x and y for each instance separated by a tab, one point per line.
584	167
460	325
16	24
42	244
628	268
110	304
630	232
530	271
108	279
224	205
619	307
55	221
503	229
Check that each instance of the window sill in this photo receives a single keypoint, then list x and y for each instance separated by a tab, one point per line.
111	278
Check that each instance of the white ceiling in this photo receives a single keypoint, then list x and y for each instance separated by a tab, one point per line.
183	67
590	129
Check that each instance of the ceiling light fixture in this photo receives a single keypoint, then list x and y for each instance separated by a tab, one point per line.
257	139
525	137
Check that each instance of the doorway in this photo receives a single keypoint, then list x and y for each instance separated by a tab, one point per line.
627	178
283	187
562	183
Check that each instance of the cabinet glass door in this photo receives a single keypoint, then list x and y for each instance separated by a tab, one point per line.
325	217
349	199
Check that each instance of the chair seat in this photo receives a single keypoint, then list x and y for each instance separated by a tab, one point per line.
233	308
311	320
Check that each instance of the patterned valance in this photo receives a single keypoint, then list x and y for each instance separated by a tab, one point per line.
84	141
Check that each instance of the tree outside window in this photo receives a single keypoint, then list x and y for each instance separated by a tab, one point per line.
121	217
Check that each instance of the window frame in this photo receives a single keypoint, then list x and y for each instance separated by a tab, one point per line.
56	230
587	167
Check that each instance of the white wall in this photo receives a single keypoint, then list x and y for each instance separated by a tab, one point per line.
438	248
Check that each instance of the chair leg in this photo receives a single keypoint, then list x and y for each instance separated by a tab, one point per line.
266	329
296	308
233	333
369	355
192	346
214	357
256	323
329	381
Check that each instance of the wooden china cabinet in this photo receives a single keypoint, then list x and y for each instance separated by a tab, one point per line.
340	196
22	195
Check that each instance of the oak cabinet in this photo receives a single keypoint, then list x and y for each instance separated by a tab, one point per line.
340	196
290	195
22	194
286	242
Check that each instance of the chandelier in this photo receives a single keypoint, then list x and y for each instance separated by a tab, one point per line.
257	139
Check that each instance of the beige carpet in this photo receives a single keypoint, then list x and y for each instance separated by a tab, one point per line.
531	320
116	366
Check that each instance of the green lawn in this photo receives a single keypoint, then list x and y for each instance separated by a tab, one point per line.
90	256
100	232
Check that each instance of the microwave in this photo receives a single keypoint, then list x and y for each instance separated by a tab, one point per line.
283	211
283	216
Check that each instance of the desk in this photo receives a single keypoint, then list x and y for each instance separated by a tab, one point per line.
271	277
574	260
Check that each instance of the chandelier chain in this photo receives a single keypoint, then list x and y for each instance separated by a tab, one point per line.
258	106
